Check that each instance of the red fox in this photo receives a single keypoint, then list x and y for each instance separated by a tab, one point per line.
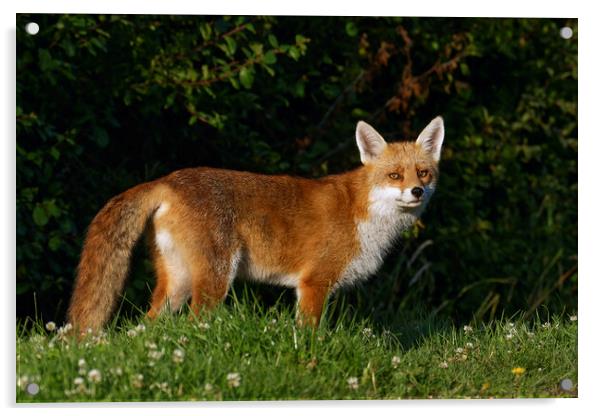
207	226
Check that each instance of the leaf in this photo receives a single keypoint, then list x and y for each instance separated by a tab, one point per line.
54	243
294	53
39	216
246	76
351	29
231	45
273	41
270	58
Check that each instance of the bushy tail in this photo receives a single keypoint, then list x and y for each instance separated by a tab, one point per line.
105	259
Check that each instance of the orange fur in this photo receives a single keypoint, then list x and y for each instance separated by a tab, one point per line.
205	226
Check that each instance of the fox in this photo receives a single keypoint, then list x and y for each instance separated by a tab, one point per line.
207	226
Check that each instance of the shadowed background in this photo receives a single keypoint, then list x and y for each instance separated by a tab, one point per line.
107	102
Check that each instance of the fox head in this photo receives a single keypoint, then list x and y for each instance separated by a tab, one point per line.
402	175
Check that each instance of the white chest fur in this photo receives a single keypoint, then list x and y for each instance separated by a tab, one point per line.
377	234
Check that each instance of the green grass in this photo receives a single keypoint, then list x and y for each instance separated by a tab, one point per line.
269	358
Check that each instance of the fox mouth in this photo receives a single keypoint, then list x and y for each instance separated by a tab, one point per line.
409	204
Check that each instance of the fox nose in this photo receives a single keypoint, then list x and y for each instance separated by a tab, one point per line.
417	191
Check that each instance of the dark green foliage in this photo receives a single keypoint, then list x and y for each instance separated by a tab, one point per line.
106	102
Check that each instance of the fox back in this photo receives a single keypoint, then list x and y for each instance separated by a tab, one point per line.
207	226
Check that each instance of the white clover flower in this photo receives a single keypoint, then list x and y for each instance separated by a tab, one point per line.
117	371
208	387
78	381
183	339
50	326
546	325
469	345
367	332
132	333
178	355
467	329
353	383
140	328
23	381
138	381
459	350
395	361
227	346
204	325
509	336
443	364
573	318
94	376
156	354
150	345
233	379
81	363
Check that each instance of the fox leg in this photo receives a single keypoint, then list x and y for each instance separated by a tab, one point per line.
172	268
211	280
311	300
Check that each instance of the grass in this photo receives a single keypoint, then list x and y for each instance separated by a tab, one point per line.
245	352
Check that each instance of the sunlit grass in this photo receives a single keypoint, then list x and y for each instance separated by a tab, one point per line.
244	352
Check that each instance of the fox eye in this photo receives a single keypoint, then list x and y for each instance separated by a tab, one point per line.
394	175
422	173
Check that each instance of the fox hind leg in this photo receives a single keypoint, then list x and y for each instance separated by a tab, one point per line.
173	270
211	279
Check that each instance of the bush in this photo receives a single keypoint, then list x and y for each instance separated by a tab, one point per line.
106	102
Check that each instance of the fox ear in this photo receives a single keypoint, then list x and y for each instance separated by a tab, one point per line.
370	143
431	138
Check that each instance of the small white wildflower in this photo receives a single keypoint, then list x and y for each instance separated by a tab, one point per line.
510	325
178	356
137	381
132	333
117	371
156	354
81	363
469	345
546	325
68	327
459	350
23	381
367	332
530	334
94	376
443	364
573	318
140	328
467	329
509	336
78	381
227	346
50	326
395	361
183	339
233	379
208	387
150	345
204	325
353	383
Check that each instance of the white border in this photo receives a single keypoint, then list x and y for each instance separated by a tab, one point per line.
589	207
